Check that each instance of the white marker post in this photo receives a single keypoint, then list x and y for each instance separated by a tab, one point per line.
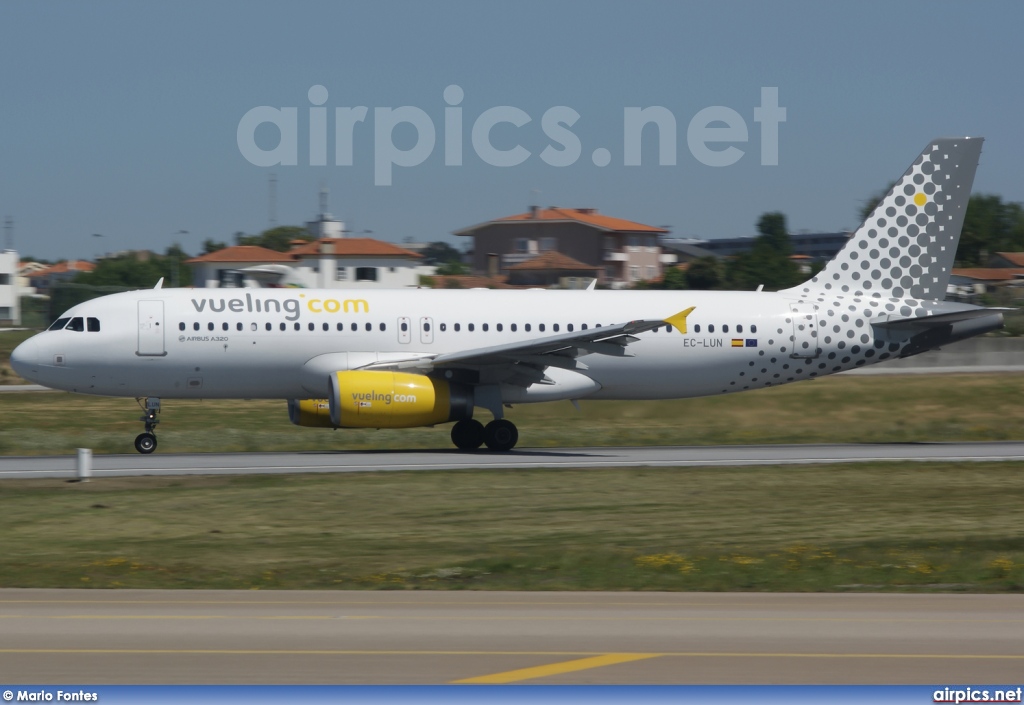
84	464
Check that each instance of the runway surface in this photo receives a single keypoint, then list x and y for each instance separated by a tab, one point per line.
205	637
368	461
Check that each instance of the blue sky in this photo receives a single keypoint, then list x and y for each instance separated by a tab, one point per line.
120	118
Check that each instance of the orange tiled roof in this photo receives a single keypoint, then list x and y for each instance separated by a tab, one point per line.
242	253
1015	258
65	268
552	260
470	281
353	247
994	274
590	216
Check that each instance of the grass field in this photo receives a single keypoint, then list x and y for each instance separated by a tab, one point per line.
836	409
917	526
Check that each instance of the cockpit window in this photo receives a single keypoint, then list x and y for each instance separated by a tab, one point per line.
77	324
59	324
94	324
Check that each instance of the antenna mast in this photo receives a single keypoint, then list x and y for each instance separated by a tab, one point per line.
272	200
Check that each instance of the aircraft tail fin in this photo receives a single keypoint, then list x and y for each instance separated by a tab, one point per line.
906	247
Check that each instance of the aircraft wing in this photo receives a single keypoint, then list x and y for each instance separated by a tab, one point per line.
523	363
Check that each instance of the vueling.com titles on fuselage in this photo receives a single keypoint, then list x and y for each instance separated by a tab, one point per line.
293	307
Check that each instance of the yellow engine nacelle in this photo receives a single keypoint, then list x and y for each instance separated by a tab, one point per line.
384	400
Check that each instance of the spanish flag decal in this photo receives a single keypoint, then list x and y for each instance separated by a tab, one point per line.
737	342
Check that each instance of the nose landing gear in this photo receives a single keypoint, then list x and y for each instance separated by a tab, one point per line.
145	443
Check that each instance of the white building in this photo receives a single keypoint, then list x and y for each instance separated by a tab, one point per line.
361	262
10	302
330	263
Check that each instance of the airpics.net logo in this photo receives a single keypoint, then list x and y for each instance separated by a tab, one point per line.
714	135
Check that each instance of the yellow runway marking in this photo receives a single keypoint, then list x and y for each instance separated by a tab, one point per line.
554	669
361	652
523	618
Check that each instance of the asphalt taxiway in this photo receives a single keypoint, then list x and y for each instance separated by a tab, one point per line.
521	458
166	636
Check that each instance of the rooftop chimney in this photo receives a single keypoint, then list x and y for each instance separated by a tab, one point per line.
533	212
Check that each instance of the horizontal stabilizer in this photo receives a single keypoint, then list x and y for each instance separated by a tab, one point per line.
938	320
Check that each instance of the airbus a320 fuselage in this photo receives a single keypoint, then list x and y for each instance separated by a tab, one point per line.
404	358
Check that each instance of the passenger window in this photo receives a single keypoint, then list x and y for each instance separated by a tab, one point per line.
555	327
753	329
94	325
384	327
59	324
513	327
181	326
444	327
739	329
569	327
253	327
270	327
354	327
541	327
499	328
584	326
224	325
341	327
711	328
527	326
696	328
485	327
312	326
725	328
458	327
195	326
77	324
209	326
238	326
668	329
471	327
327	327
297	326
426	327
283	326
369	327
405	326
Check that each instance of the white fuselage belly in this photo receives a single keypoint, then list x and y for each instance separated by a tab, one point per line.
258	363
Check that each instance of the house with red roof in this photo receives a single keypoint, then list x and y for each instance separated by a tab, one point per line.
44	279
327	263
622	252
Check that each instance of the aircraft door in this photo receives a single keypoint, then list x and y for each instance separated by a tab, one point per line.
426	331
151	328
404	329
805	331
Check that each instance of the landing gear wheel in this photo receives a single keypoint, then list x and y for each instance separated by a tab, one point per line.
468	434
501	435
145	443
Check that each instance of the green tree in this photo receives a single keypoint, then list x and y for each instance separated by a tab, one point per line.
673	278
437	253
990	226
703	274
210	245
279	238
767	263
452	268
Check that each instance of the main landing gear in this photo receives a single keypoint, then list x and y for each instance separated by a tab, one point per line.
499	435
145	443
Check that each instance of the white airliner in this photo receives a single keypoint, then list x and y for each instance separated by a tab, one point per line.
405	358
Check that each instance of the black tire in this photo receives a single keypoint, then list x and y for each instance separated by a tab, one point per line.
501	435
145	443
468	434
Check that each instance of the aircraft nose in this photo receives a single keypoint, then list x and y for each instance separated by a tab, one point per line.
25	358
